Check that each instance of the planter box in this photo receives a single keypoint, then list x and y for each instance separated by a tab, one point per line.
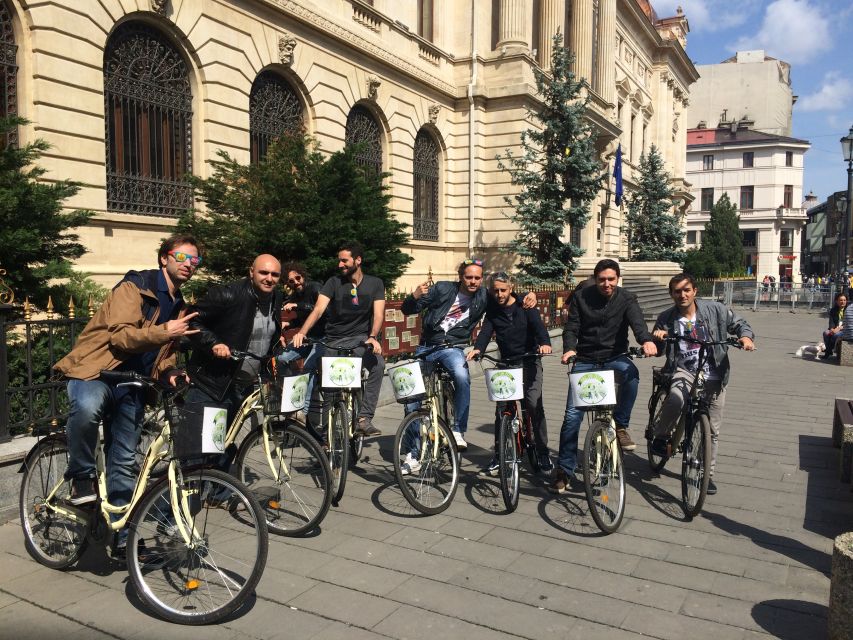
841	589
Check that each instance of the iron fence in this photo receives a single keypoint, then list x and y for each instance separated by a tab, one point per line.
777	296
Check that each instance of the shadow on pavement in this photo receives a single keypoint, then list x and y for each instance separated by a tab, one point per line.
136	603
825	493
791	619
640	477
569	514
388	498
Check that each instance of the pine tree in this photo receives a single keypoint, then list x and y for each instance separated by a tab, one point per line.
654	233
722	243
295	204
557	171
36	245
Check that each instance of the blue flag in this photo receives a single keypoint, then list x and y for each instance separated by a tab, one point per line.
617	174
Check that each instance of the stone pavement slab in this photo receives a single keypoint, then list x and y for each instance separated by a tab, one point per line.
754	564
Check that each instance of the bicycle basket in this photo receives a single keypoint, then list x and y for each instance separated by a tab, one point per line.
504	385
285	394
197	428
593	388
407	380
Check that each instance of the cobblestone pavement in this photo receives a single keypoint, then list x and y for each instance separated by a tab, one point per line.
754	564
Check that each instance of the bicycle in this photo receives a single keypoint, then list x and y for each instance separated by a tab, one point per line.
279	460
603	470
424	441
197	538
515	432
692	431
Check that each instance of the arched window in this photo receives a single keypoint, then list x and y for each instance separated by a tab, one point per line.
8	69
274	108
148	109
425	179
362	129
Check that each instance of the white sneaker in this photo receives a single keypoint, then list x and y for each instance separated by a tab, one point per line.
410	465
460	441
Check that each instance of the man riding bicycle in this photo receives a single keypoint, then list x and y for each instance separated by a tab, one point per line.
356	310
703	320
596	331
517	331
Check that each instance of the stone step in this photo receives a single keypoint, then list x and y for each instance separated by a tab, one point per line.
652	296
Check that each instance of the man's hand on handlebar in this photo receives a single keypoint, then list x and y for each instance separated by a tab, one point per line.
748	344
179	378
568	355
660	334
545	349
374	343
650	349
221	350
473	354
298	339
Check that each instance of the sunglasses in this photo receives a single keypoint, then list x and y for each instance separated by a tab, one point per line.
475	261
295	280
181	256
354	293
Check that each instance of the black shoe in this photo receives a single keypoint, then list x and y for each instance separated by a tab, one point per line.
365	428
712	488
545	464
83	491
660	447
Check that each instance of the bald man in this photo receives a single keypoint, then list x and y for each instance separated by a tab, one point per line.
243	315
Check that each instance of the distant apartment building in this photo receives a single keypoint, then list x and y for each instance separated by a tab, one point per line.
739	143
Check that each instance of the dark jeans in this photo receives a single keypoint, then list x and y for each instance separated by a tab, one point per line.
454	361
232	401
375	366
532	404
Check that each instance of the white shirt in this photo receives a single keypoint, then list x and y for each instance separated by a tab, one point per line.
688	352
459	310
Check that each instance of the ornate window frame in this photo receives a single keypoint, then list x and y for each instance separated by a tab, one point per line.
426	173
274	108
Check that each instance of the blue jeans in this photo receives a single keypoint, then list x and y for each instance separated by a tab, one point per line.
121	410
630	382
310	354
454	361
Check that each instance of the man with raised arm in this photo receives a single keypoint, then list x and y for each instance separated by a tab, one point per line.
356	310
596	331
702	320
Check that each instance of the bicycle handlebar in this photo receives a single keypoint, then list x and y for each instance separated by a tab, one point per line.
633	353
309	341
237	354
504	361
730	341
132	378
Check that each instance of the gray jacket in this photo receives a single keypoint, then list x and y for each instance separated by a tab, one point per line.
720	320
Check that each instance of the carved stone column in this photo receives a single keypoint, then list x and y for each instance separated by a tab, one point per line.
553	16
582	38
513	24
607	53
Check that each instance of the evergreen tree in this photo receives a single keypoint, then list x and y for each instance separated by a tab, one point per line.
722	243
558	173
36	245
654	233
295	204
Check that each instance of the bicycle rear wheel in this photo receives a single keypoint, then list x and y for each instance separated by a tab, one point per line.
339	448
208	578
695	465
656	461
604	476
293	484
508	461
52	539
431	482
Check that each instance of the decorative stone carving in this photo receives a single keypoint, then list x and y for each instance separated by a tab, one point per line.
373	84
159	6
434	110
286	45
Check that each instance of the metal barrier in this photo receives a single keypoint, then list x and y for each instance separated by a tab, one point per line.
773	297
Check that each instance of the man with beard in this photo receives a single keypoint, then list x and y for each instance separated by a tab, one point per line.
356	309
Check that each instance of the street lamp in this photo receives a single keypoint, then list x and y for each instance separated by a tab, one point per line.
847	151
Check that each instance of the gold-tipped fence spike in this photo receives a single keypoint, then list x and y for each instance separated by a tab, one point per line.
49	307
90	308
28	311
71	307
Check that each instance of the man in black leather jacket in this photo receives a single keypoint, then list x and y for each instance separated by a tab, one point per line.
243	315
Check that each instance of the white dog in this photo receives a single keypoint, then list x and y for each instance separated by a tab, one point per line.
810	350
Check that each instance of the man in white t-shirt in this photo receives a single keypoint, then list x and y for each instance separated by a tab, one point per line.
701	320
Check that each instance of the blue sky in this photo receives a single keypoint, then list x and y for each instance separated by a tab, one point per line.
816	38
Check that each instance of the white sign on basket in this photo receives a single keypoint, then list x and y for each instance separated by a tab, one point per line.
341	373
214	426
505	384
407	380
593	388
294	393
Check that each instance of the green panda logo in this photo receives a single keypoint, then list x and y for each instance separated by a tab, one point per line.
503	385
220	419
342	372
592	388
403	380
299	391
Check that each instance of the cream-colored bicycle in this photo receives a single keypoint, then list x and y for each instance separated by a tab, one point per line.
197	538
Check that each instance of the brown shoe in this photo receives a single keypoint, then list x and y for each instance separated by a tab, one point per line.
624	439
561	482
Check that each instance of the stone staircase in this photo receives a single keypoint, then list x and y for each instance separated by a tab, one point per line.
652	296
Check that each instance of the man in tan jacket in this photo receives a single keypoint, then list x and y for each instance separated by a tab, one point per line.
134	330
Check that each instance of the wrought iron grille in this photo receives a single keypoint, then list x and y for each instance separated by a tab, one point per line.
274	108
363	130
425	174
148	108
8	70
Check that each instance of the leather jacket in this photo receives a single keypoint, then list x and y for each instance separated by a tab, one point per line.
437	303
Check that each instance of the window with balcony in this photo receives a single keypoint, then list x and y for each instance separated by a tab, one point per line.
707	200
789	158
748	159
747	195
707	162
788	197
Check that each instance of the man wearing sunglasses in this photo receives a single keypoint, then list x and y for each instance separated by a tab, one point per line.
355	303
136	329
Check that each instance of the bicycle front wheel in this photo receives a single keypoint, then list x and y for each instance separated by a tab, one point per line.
199	564
431	473
508	461
52	539
339	449
293	484
656	461
356	441
604	476
695	465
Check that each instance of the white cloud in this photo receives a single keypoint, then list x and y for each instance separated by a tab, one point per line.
834	94
708	15
792	30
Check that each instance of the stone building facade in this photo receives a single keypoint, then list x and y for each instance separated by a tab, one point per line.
134	94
